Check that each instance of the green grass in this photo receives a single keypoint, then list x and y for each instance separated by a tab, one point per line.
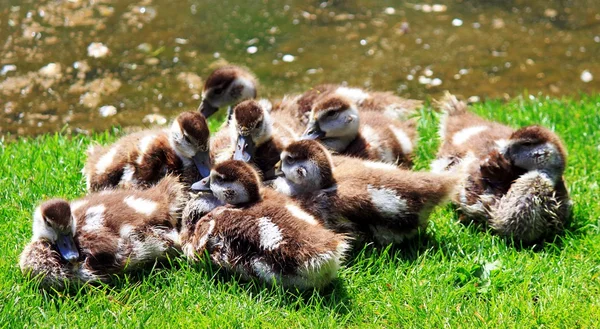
454	276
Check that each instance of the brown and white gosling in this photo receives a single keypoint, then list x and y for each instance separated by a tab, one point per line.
256	136
103	234
226	87
515	183
372	201
261	233
385	103
142	159
336	122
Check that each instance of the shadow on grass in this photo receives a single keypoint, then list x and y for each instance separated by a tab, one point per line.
121	288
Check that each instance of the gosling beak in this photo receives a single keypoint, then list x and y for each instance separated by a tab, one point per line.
313	131
202	185
202	162
278	172
66	247
207	109
244	150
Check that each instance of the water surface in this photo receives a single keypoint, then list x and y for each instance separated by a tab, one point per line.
160	50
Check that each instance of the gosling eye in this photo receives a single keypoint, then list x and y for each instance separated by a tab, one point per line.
290	160
187	139
219	91
332	114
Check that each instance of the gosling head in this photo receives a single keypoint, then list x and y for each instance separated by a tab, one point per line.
190	137
307	165
253	127
54	222
226	86
537	148
334	121
233	182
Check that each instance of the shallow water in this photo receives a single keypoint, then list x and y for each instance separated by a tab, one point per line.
154	53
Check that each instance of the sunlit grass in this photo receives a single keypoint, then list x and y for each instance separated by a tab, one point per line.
454	275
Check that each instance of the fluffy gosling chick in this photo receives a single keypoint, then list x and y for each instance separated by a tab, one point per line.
515	183
256	136
336	122
142	159
369	200
260	233
227	86
386	103
106	233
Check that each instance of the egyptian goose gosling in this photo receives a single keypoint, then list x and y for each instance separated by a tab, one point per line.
260	233
256	136
370	200
227	86
142	159
385	103
515	183
336	122
105	233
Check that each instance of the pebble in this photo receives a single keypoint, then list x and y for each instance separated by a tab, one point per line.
586	76
288	58
457	22
107	111
51	70
436	82
97	50
424	80
252	50
390	10
155	119
152	61
8	68
473	99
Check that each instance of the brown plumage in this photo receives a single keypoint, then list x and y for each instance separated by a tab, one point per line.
369	200
387	103
337	123
255	135
261	233
227	86
142	159
107	233
514	181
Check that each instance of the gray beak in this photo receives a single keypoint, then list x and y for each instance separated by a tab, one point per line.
244	150
313	131
202	162
278	171
207	109
66	247
202	186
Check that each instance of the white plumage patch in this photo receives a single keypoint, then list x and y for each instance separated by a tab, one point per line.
142	206
502	145
105	161
204	239
440	165
354	94
144	145
128	172
301	214
77	204
403	139
372	137
270	235
387	202
379	165
94	218
125	231
463	135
